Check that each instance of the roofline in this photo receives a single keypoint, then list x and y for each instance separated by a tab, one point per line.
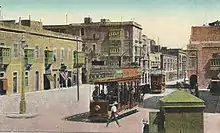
132	23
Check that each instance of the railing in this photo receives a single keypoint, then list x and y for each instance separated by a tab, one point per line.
214	64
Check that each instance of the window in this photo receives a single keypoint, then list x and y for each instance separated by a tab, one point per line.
127	34
192	62
94	36
15	50
2	74
82	32
62	53
93	48
15	82
136	49
68	54
37	52
54	54
26	79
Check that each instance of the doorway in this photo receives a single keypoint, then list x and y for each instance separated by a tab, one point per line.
55	81
15	82
36	81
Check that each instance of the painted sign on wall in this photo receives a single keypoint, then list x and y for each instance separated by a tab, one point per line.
115	34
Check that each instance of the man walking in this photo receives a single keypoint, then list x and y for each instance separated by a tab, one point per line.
113	114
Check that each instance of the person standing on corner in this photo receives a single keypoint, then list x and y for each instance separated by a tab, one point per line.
114	114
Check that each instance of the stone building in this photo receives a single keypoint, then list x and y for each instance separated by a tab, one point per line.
181	61
48	57
169	65
109	44
203	53
145	60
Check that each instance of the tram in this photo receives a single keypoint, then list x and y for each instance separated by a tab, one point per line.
157	83
123	90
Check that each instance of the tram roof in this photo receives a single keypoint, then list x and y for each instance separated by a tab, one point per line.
123	79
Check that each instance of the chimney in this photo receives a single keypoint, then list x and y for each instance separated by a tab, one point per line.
19	21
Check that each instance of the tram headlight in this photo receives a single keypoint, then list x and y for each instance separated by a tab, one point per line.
97	107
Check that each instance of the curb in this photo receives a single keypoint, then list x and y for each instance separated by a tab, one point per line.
21	116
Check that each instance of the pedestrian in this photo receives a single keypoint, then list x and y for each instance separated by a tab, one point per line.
145	126
114	114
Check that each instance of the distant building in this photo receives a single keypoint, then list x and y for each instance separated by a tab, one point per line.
203	53
169	65
145	60
117	44
49	60
180	57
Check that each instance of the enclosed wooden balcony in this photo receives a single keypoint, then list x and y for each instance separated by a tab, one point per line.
29	56
5	55
81	59
48	54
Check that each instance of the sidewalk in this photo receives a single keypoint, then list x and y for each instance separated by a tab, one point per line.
41	100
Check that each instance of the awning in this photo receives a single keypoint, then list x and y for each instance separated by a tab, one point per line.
50	77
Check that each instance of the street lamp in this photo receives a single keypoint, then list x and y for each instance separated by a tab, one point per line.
23	102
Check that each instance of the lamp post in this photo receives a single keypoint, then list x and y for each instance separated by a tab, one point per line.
22	101
77	67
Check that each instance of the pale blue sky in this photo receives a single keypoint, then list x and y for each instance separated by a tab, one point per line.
171	20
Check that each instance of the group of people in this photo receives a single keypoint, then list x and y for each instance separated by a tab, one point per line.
114	112
97	96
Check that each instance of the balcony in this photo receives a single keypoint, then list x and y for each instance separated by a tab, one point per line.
29	56
81	59
115	51
215	64
48	54
5	55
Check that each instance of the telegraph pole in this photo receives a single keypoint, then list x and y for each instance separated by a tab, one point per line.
23	101
77	67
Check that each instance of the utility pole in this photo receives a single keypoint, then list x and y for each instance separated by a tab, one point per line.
1	17
77	66
23	101
66	18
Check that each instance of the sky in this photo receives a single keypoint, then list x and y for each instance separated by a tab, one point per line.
169	22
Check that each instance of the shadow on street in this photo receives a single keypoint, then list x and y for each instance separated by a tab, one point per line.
152	102
211	101
84	117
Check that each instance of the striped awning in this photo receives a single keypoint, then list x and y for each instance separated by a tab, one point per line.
64	75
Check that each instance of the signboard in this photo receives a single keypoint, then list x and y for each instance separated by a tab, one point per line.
131	72
157	71
119	74
115	34
81	58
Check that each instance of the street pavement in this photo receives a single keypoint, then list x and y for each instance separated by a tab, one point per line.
54	105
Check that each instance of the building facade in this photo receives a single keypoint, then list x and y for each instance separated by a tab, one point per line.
181	61
169	65
203	53
49	58
145	63
114	44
